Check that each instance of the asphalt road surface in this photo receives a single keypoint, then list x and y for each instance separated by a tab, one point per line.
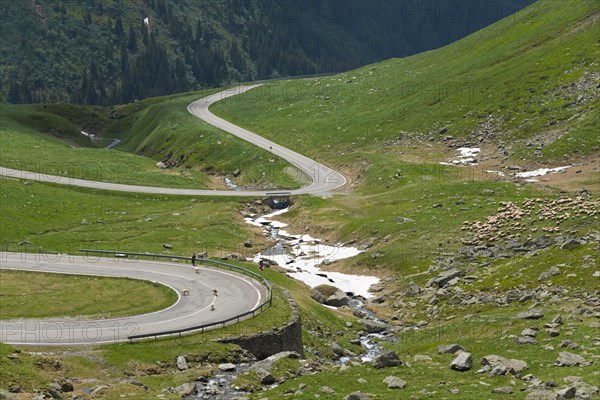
236	294
324	179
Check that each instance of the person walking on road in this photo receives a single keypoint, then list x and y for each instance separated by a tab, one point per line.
194	259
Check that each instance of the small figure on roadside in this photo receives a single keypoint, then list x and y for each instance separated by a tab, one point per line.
194	259
212	307
215	292
261	265
197	270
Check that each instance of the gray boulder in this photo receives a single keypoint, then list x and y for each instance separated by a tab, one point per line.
512	366
446	276
181	363
541	395
373	326
566	359
186	389
567	393
265	377
357	396
462	362
412	290
525	340
327	390
329	295
226	367
449	348
388	358
503	390
530	332
553	271
570	244
393	382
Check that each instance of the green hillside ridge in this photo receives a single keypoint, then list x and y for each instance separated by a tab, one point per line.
530	79
47	138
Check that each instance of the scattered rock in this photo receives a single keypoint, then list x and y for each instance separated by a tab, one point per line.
388	358
553	271
186	389
553	332
167	246
529	332
412	290
512	366
327	390
5	394
226	367
447	276
393	382
567	393
449	348
566	359
248	243
570	244
268	363
503	390
525	340
53	394
375	288
373	326
357	396
161	165
569	344
462	362
535	313
66	387
541	395
265	377
181	363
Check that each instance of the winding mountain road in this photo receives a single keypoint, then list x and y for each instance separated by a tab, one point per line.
236	294
324	179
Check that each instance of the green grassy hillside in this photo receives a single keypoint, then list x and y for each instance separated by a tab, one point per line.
530	79
47	138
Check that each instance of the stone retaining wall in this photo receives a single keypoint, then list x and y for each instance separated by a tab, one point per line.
285	338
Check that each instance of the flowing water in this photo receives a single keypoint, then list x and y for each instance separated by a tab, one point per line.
302	255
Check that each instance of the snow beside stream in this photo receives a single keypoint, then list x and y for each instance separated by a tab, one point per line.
302	256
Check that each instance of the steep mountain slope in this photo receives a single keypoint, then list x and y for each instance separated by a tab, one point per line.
528	83
109	52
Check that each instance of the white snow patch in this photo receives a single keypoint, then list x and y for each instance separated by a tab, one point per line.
540	172
306	254
466	156
489	171
469	152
